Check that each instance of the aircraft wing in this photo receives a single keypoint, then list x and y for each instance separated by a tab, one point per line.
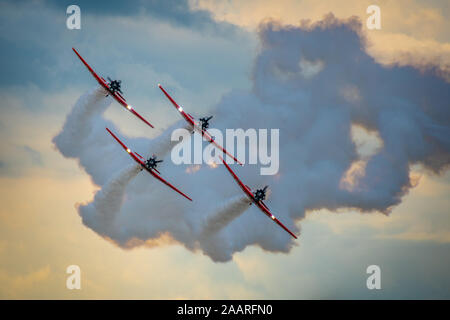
157	176
116	95
244	188
191	121
138	158
186	116
264	209
132	154
99	79
120	99
208	137
261	205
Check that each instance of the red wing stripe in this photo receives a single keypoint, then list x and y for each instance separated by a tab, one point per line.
189	118
117	139
265	206
100	80
179	108
120	99
243	186
140	117
117	96
209	138
85	63
285	228
271	216
259	204
167	183
169	97
141	163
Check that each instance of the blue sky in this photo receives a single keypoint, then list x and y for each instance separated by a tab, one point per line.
200	55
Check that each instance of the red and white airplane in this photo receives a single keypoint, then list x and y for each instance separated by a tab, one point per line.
113	89
257	198
200	126
149	164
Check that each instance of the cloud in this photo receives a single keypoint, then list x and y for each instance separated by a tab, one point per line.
333	266
177	12
34	155
405	108
412	32
21	284
39	49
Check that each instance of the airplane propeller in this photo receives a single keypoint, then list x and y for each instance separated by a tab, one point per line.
114	85
205	122
152	163
260	194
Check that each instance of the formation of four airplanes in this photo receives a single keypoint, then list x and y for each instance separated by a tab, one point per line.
113	88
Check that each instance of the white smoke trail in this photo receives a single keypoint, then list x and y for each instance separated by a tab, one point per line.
211	239
100	214
224	214
78	125
162	144
315	111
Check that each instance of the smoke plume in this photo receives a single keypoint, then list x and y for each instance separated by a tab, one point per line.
101	214
315	83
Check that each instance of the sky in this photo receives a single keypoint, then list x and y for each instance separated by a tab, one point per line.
212	54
